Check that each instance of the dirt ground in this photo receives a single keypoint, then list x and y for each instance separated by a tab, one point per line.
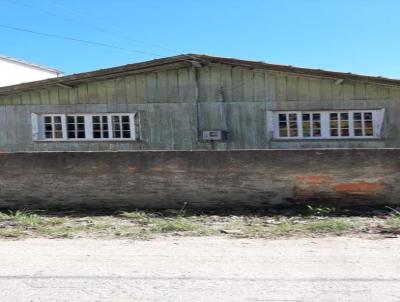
200	269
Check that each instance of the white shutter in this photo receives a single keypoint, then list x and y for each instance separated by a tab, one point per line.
35	127
378	122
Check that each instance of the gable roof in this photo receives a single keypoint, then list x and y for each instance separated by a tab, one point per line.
187	59
31	65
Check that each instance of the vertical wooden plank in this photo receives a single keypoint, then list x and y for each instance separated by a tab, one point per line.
111	91
259	86
44	97
315	91
383	92
337	91
360	92
291	88
304	89
161	93
226	83
371	92
248	85
326	90
270	85
215	92
348	90
186	84
25	98
237	84
151	87
173	85
92	97
120	91
281	88
141	89
130	86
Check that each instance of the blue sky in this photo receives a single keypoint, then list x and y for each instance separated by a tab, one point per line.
358	36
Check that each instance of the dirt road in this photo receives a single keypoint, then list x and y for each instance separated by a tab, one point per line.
200	269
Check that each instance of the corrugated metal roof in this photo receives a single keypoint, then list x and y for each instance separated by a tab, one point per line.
26	63
114	72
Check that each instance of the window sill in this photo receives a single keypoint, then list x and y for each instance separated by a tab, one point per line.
89	141
342	139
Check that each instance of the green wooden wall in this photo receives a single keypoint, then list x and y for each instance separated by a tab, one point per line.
171	108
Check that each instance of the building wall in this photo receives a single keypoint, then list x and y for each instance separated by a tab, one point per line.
171	108
12	73
169	179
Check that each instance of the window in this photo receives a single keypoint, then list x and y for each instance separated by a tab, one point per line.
76	126
84	126
100	126
326	124
52	126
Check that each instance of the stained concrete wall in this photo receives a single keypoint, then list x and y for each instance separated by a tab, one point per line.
168	179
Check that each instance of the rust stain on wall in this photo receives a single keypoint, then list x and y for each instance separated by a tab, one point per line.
360	187
313	180
307	186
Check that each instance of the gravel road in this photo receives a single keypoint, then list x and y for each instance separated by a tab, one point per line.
200	269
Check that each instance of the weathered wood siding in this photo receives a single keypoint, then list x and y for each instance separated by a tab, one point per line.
171	108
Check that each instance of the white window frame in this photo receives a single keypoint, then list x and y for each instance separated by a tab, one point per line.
38	131
377	120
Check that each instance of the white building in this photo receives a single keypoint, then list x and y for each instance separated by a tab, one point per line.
14	71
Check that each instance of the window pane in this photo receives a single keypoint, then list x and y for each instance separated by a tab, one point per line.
283	133
282	117
80	119
47	119
81	134
96	119
126	134
358	132
367	115
125	119
357	116
344	116
344	132
369	132
57	119
333	116
368	124
71	134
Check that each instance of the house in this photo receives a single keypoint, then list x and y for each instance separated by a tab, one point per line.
241	132
14	71
199	102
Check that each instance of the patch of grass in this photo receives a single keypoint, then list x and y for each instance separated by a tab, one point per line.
11	233
169	225
328	226
135	214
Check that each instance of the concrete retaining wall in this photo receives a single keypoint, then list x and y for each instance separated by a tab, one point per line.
201	178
